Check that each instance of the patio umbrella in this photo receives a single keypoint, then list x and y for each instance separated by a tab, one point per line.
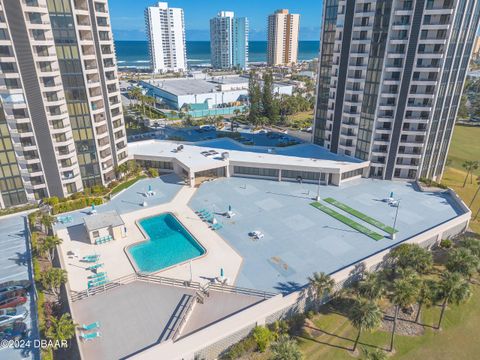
391	194
221	273
229	207
149	188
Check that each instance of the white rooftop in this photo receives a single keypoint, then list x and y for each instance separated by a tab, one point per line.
103	220
194	156
189	86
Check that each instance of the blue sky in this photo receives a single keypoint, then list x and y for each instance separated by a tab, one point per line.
128	22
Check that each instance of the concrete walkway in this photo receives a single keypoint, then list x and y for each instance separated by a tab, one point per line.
116	263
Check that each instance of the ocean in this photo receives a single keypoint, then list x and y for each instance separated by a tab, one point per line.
135	53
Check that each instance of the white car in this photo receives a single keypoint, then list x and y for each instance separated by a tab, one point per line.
11	315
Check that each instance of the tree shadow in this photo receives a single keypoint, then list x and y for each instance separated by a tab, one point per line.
288	287
324	343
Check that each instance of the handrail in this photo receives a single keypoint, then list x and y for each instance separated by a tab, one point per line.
169	281
79	295
184	316
240	290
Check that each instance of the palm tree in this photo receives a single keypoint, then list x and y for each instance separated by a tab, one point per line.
285	348
463	261
364	315
411	256
47	221
476	192
470	166
371	287
62	328
471	244
404	293
49	245
321	285
426	295
374	354
53	279
135	93
453	288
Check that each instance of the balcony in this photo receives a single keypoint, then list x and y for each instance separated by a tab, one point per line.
81	5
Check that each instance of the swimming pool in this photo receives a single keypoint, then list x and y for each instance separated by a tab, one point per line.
169	244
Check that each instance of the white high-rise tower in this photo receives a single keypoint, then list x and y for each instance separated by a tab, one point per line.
166	36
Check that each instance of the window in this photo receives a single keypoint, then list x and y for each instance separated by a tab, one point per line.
95	234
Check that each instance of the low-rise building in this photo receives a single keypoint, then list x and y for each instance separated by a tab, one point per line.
206	96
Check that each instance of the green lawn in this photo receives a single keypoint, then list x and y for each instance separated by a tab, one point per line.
347	221
126	184
361	216
465	146
456	340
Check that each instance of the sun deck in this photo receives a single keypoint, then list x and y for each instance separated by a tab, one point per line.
299	239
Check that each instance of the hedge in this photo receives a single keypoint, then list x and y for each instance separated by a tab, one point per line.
76	204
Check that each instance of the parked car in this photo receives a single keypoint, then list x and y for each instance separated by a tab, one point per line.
11	315
13	302
12	291
15	331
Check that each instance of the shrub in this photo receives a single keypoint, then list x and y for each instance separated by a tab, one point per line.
296	323
76	204
152	172
431	183
16	209
51	201
263	337
241	348
113	184
446	243
310	314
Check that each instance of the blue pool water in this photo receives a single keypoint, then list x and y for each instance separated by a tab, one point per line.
170	243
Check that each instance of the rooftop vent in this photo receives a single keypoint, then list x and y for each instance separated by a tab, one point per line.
225	155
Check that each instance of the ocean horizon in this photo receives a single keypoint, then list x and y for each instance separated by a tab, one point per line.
135	53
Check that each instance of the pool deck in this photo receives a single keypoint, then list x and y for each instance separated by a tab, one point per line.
299	239
117	264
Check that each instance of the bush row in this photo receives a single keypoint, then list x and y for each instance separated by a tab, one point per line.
75	204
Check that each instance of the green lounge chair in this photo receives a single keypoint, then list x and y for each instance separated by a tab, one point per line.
95	267
91	258
216	226
97	275
92	326
91	336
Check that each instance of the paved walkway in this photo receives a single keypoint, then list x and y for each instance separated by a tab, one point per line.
116	263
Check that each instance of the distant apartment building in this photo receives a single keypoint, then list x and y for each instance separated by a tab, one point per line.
283	29
229	41
61	121
476	48
165	29
391	76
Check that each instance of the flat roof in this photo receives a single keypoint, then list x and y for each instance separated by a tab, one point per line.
103	220
190	86
307	156
131	323
300	239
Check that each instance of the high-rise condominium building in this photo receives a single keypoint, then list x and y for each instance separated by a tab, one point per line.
61	122
391	76
166	37
283	31
229	41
